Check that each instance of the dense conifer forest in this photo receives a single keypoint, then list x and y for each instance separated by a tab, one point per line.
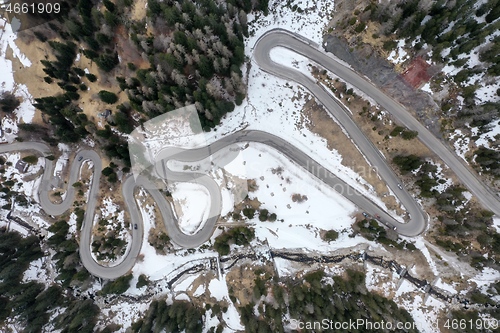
191	52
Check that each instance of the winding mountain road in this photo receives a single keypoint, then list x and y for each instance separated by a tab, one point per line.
262	49
298	44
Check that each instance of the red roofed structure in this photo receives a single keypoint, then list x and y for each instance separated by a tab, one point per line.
416	74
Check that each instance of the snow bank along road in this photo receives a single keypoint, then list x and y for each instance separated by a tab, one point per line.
272	39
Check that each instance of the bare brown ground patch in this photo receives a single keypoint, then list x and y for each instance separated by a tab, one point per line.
320	122
33	75
139	10
372	29
85	179
344	11
253	203
102	233
378	130
241	280
413	259
127	50
89	101
158	227
201	280
55	193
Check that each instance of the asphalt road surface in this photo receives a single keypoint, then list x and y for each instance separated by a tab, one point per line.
414	227
299	44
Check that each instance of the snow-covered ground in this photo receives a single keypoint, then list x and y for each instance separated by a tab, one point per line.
445	286
192	205
28	188
380	279
486	277
310	21
72	224
298	222
273	105
427	88
23	184
9	128
125	313
489	136
25	111
36	271
63	159
292	59
423	310
461	143
419	244
440	176
115	219
219	290
496	223
399	55
155	265
425	314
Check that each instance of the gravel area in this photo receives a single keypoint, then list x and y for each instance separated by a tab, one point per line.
366	61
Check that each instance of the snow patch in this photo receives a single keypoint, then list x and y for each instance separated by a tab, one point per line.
192	206
291	59
25	112
399	55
